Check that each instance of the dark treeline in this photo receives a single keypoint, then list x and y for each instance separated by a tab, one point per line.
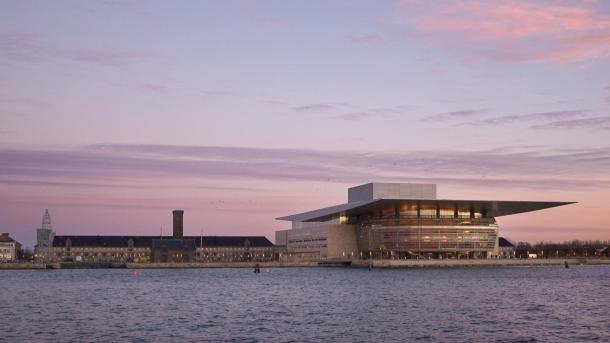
564	249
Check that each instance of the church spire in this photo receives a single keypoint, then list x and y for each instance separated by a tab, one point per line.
46	220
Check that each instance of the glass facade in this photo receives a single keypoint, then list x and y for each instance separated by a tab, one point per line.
415	239
412	231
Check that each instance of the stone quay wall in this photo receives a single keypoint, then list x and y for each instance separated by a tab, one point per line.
322	263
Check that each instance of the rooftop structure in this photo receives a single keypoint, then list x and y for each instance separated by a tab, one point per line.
178	220
6	238
376	196
384	190
504	243
506	249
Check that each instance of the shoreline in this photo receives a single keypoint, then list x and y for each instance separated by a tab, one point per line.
381	264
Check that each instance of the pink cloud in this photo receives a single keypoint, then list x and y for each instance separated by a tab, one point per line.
514	30
580	48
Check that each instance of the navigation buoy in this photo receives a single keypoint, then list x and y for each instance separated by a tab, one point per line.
565	263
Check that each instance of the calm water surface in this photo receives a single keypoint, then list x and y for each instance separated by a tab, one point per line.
536	304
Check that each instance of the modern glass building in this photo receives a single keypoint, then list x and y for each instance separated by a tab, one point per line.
397	221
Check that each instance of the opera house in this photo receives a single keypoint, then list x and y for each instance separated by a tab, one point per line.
398	221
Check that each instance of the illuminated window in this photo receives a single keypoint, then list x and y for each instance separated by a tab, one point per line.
408	211
463	213
446	213
427	212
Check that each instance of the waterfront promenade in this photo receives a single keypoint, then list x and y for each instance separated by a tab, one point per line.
324	263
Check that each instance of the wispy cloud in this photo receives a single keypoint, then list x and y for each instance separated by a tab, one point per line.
153	87
353	116
514	30
382	112
371	38
599	123
164	164
454	115
378	38
22	46
222	93
321	107
77	184
508	119
232	94
352	112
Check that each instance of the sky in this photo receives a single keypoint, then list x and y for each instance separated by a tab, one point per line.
113	113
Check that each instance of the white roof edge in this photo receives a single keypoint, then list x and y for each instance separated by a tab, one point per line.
325	211
304	216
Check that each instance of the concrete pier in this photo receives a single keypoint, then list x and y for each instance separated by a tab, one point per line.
22	266
474	263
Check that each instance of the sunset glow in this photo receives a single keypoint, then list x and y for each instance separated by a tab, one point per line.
240	112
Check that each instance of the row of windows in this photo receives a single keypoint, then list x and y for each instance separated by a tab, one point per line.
321	239
100	248
410	211
103	254
213	254
148	249
262	252
237	249
304	246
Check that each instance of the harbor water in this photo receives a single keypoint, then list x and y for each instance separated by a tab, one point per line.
495	304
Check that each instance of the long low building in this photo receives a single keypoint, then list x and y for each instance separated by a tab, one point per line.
397	221
175	248
140	248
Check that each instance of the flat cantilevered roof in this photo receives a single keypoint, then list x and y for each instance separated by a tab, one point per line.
492	208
